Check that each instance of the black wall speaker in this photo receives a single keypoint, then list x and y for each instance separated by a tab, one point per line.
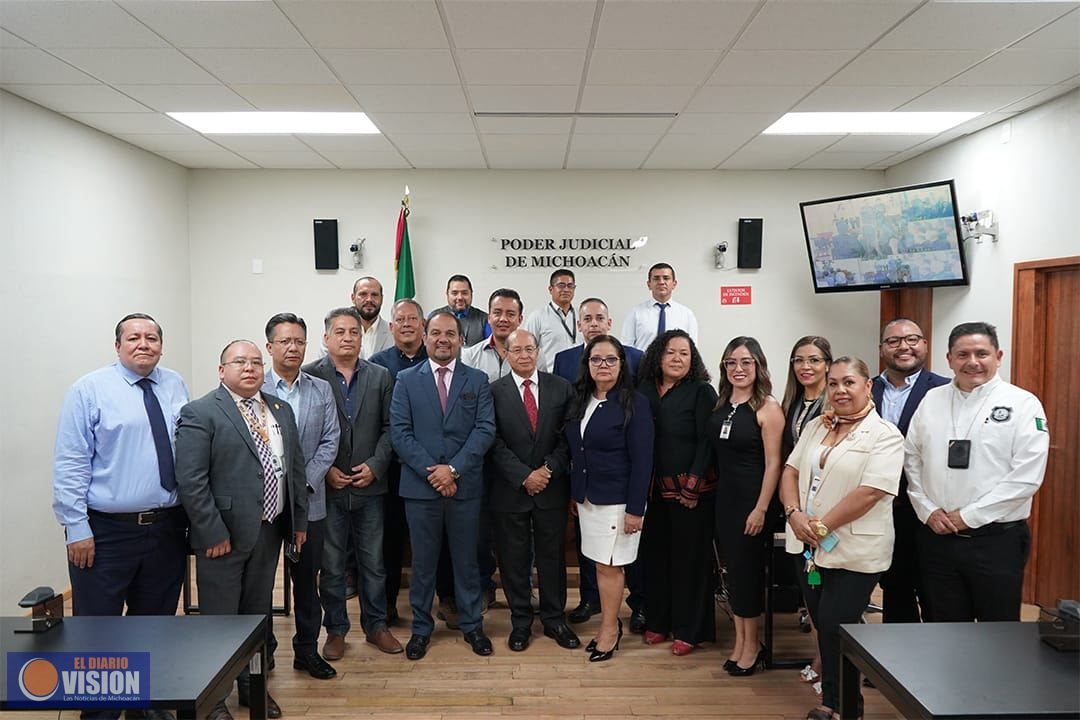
326	250
750	242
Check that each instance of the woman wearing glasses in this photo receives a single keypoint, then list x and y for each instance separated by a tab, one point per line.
677	548
745	429
610	433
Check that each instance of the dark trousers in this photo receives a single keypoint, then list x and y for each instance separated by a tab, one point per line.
444	573
307	607
485	546
676	548
516	534
901	585
840	599
395	537
590	591
980	577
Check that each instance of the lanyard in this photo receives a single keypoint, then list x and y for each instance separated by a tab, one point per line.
572	329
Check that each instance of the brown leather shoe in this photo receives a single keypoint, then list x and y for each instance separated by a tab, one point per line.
334	649
385	641
219	712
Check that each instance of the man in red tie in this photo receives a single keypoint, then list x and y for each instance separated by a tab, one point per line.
529	494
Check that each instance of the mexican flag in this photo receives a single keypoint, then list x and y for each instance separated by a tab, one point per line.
406	284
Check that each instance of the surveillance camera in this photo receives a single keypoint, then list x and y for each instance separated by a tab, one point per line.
354	248
722	247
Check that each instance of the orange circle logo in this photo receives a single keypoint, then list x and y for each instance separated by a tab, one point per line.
38	679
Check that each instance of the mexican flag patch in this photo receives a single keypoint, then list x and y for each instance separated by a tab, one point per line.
1040	424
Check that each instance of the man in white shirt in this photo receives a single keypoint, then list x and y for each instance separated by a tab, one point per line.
367	298
505	311
975	455
660	313
555	325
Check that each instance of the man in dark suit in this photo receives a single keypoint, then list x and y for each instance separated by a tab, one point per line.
897	392
593	320
459	297
357	481
241	476
441	424
530	491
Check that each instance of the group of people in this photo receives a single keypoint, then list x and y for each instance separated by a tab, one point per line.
473	438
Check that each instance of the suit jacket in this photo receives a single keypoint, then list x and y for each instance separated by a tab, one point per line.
568	362
364	438
319	434
518	451
220	477
925	381
422	436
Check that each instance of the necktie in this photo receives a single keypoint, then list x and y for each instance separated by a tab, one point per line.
266	458
166	469
530	403
441	385
661	324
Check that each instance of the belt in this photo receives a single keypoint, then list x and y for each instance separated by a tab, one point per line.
147	517
991	529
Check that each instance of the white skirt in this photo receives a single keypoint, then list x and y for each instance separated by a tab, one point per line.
602	536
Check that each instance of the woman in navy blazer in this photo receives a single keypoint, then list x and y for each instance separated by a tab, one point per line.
610	432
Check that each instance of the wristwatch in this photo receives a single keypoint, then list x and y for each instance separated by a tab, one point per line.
790	510
822	529
453	472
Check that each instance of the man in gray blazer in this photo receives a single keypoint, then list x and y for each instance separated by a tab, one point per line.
357	481
241	476
312	402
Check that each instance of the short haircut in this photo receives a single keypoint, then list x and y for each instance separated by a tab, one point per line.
459	278
592	300
897	321
974	328
560	272
447	313
367	277
408	301
507	293
228	345
280	319
137	316
349	311
661	266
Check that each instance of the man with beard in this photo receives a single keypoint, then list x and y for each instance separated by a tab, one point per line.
459	297
555	325
367	298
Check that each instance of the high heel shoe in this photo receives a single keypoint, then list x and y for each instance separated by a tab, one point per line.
730	665
599	655
759	664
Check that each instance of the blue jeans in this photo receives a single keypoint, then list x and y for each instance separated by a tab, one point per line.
361	517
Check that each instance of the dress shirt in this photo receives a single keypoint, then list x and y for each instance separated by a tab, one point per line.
535	387
639	328
485	357
348	390
893	399
375	339
1009	446
554	331
394	360
291	395
277	441
105	458
449	374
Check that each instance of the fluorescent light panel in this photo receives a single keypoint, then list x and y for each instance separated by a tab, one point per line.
277	123
867	123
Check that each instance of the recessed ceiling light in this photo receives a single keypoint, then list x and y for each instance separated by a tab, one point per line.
867	123
277	123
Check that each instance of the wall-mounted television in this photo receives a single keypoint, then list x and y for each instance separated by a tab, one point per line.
901	237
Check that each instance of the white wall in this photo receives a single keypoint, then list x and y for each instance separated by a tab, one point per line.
91	229
1032	183
237	216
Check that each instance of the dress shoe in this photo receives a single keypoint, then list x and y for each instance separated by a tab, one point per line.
315	666
654	638
385	641
519	639
480	643
637	621
730	665
681	647
583	611
219	712
392	616
563	635
334	647
599	655
448	613
416	648
243	697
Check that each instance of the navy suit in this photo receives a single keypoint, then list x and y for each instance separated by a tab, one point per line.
900	585
423	436
568	362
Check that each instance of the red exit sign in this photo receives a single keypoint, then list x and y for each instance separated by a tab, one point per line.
734	294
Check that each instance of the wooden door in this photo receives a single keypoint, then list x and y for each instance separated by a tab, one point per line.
1046	361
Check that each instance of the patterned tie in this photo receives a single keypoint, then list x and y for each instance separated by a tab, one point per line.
166	469
530	403
261	437
661	324
444	394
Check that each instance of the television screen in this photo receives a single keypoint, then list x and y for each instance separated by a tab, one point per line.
902	237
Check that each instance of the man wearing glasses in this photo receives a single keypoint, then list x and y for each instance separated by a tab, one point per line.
897	392
555	325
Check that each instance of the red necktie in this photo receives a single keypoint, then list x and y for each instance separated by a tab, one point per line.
530	403
441	384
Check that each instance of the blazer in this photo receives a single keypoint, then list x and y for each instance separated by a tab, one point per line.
568	362
518	451
925	381
220	477
319	434
422	436
365	437
871	455
611	465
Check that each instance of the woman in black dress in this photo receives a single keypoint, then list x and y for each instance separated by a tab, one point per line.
745	430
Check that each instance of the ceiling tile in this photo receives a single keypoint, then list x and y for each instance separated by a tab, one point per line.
521	67
777	152
187	98
779	67
410	98
968	25
7	40
526	160
683	159
650	67
843	160
354	160
509	143
621	126
541	24
318	98
217	23
446	159
390	24
983	121
678	25
149	66
245	144
286	159
899	67
214	159
878	143
301	67
523	98
605	159
1063	34
724	123
1023	67
458	142
393	67
324	144
76	23
620	143
873	98
821	24
714	146
970	98
719	98
525	125
171	143
78	98
33	66
422	122
635	98
1039	98
129	123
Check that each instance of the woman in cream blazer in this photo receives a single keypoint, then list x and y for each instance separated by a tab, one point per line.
837	489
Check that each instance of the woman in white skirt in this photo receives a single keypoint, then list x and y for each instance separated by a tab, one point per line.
609	429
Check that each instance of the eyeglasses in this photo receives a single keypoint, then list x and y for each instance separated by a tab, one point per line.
565	285
527	350
291	342
744	363
894	341
609	361
813	361
240	363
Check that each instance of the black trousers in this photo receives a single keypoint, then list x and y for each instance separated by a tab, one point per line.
840	599
901	585
516	534
980	577
395	538
307	607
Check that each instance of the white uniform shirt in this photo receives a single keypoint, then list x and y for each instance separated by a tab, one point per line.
554	332
484	356
1009	447
639	328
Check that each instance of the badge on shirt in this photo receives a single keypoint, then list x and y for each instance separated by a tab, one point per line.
1001	414
1041	425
